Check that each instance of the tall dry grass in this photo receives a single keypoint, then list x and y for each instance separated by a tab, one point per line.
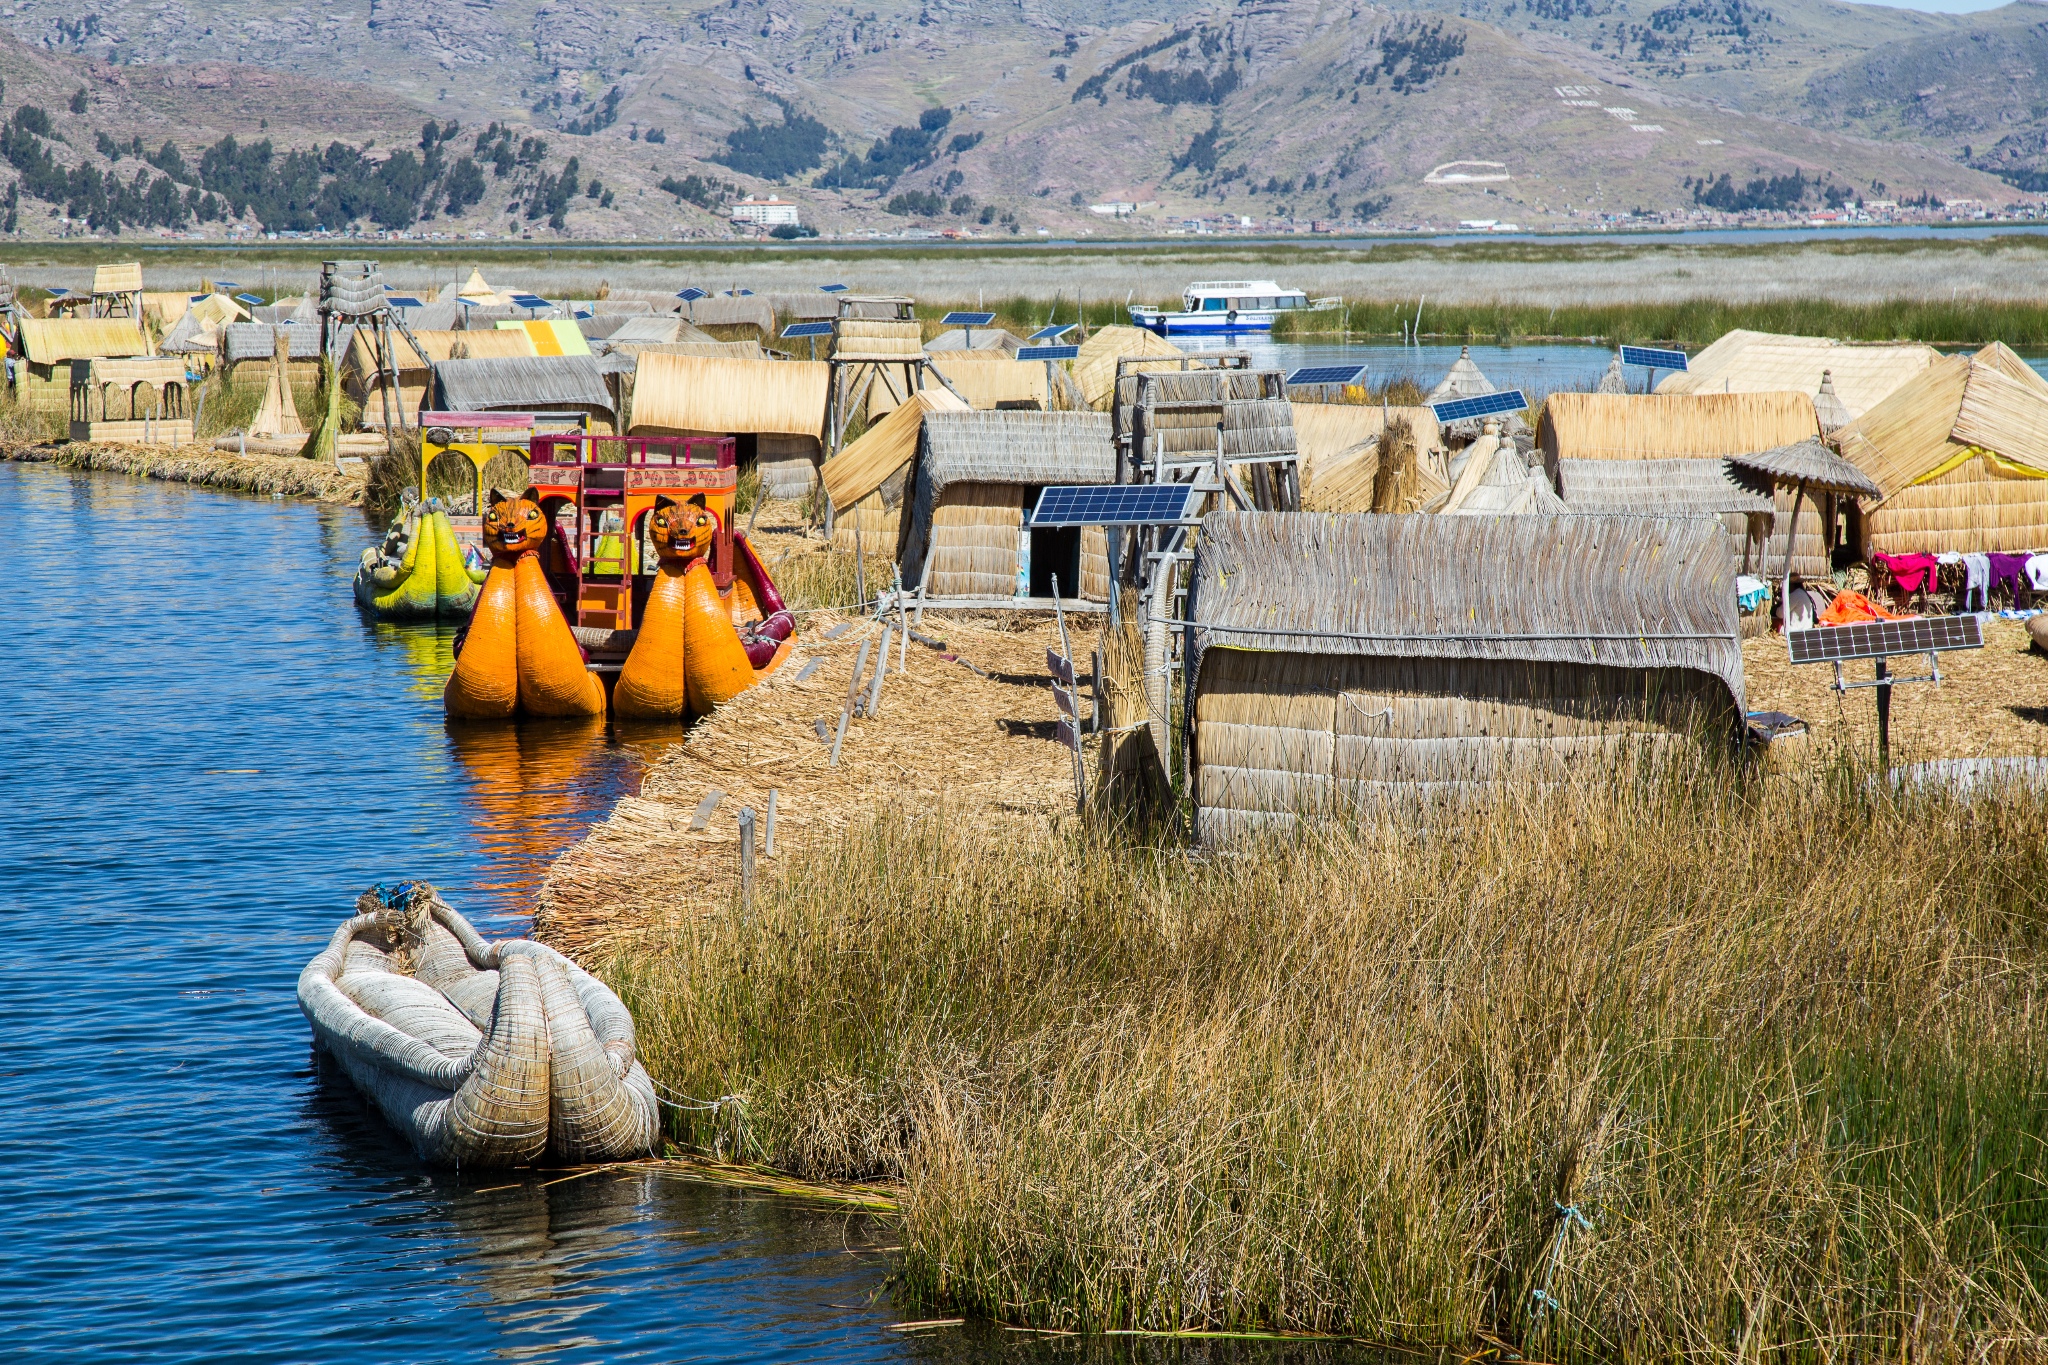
1689	1067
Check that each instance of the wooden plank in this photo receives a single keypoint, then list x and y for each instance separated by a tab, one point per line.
874	703
852	690
1061	667
700	820
824	731
837	630
1066	734
1065	701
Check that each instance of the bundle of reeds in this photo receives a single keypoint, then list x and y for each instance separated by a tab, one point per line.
877	339
976	531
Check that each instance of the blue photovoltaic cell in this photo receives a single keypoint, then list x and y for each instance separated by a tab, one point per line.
1048	352
249	299
403	301
807	329
1052	333
1116	504
967	319
1485	405
217	284
1653	358
531	301
1328	374
832	288
691	295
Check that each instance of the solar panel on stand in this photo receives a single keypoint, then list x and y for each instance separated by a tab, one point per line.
832	289
1113	504
967	319
249	299
1882	639
796	331
692	294
1485	405
1653	358
1049	334
531	301
1048	352
403	301
1328	374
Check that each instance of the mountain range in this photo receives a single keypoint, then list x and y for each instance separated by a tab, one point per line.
988	116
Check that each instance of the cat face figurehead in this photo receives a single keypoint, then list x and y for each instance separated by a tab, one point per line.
682	531
514	526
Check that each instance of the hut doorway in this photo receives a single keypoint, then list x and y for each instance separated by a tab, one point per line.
1052	552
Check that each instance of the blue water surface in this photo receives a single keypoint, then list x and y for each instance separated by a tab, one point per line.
208	753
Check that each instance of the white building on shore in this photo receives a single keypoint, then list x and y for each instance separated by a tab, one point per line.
768	213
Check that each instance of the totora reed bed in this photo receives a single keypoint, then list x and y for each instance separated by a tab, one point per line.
1680	1066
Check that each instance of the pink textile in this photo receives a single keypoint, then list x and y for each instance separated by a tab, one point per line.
1910	572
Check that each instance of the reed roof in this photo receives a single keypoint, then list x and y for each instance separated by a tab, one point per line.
125	278
883	339
988	377
190	335
49	341
700	393
1324	431
981	339
479	344
130	371
708	349
1628	592
2003	415
1810	462
1602	426
1958	408
660	330
1499	482
719	311
521	383
1017	448
1463	380
258	341
867	462
1661	488
1095	365
1767	362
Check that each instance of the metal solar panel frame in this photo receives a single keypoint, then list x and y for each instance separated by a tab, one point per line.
1048	352
967	319
403	301
1485	405
797	331
1113	504
692	294
1883	639
1653	357
1327	374
1053	333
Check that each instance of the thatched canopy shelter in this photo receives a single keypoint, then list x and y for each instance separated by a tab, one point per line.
1463	380
1765	362
526	384
1343	659
1960	458
776	409
1095	366
1738	499
42	382
978	475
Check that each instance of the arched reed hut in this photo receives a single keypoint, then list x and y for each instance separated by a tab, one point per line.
774	408
568	383
1339	660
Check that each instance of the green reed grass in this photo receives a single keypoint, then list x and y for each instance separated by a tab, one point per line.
1780	1045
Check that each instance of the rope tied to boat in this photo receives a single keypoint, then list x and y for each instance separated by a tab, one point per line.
676	1099
1568	1217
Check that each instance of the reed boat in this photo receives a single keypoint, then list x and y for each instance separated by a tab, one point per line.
482	1054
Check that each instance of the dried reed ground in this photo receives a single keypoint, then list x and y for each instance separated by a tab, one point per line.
1776	1041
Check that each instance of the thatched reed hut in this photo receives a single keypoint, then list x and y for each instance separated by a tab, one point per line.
1738	500
746	318
526	384
991	379
1463	380
774	408
866	482
1165	417
1095	367
1338	661
192	340
1960	458
117	291
1862	376
1324	433
244	342
42	380
978	476
362	382
974	339
1490	478
131	401
1602	426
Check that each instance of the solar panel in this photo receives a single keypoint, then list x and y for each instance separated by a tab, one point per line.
1328	374
807	329
1048	352
1879	639
691	295
1653	358
531	301
1114	504
832	289
249	299
967	319
1053	333
403	301
221	284
1485	405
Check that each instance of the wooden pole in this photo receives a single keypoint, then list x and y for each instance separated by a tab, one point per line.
746	856
874	706
852	691
768	843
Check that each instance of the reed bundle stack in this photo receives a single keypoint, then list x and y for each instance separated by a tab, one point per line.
977	475
1324	431
1343	660
1960	458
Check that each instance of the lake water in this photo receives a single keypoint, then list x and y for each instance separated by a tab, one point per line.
208	754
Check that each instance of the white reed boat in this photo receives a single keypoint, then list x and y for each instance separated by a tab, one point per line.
482	1054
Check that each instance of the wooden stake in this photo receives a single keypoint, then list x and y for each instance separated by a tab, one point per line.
746	856
769	842
874	707
846	712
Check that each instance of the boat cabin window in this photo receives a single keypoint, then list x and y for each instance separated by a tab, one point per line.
1212	305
